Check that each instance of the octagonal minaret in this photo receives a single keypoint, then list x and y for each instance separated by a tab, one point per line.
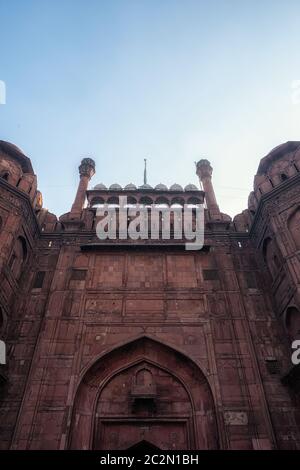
86	171
204	172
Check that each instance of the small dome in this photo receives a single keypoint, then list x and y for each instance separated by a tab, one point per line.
176	187
277	153
191	187
12	147
130	187
17	154
145	186
161	187
100	187
115	187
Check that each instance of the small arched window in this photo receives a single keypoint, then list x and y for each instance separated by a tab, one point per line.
18	257
5	175
283	177
292	322
144	378
97	202
270	256
146	201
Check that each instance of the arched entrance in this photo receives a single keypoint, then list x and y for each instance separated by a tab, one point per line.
292	322
143	392
143	447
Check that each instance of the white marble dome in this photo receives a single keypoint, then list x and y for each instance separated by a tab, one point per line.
145	186
130	187
176	187
161	187
115	187
100	187
191	187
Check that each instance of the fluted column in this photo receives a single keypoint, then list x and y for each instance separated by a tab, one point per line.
86	171
204	172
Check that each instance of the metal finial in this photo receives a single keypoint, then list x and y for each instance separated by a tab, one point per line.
145	171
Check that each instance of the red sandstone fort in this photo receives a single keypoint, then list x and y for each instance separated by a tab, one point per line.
122	344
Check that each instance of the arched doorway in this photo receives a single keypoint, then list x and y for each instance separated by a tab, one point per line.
143	447
143	391
292	323
294	227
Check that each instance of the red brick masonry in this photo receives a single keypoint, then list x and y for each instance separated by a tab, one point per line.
113	345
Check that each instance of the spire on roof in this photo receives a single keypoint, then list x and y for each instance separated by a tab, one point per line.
145	171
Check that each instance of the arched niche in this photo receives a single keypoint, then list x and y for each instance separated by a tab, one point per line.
5	175
143	391
194	201
162	201
96	202
18	257
146	201
177	202
131	200
294	227
113	201
292	322
271	256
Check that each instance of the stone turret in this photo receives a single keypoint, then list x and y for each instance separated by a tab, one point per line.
86	171
204	172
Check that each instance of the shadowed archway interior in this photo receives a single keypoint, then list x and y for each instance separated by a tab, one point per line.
143	391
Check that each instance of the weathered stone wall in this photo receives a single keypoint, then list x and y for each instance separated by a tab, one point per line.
209	328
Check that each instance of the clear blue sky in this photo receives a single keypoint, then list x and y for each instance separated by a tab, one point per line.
176	81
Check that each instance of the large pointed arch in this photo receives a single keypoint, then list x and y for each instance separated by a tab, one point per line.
132	340
169	366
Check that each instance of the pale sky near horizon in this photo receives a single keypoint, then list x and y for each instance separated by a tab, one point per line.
170	80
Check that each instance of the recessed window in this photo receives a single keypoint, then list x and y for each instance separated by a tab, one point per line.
273	366
78	274
39	280
5	176
251	280
292	322
210	275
